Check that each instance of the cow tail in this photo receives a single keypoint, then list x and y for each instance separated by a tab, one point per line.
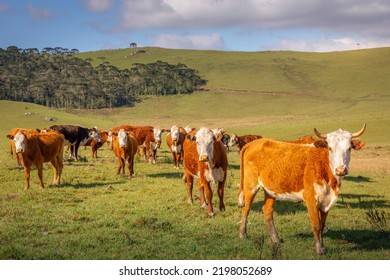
241	198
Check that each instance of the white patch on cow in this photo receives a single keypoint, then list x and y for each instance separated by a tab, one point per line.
232	141
83	142
19	142
176	149
291	196
205	143
67	143
214	175
326	197
339	143
122	138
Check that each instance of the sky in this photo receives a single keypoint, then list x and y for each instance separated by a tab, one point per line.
227	25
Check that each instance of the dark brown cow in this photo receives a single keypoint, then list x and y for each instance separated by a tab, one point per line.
288	171
76	135
205	158
175	141
36	149
241	141
124	145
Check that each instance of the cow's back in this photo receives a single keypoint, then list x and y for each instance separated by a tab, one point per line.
50	144
283	165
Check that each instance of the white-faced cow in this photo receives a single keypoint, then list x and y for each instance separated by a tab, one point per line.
124	145
77	136
205	158
241	141
36	149
175	141
296	172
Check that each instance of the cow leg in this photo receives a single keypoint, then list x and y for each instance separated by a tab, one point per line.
27	172
202	199
154	155
248	197
209	198
60	167
189	180
76	149
55	171
40	173
317	220
121	168
220	191
130	167
268	211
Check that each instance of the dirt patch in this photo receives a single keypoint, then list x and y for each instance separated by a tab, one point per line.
371	159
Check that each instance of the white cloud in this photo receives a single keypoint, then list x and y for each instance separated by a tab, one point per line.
200	42
327	45
98	5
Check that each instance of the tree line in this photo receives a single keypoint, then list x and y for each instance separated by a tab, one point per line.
55	77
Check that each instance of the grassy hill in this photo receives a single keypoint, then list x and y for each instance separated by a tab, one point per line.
95	214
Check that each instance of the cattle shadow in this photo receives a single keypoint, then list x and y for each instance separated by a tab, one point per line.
106	185
282	207
362	239
362	201
234	167
358	179
166	175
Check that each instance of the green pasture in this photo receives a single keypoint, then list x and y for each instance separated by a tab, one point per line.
94	214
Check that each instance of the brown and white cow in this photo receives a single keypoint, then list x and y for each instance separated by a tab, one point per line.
147	142
205	158
36	149
296	172
175	141
95	145
241	141
124	145
11	142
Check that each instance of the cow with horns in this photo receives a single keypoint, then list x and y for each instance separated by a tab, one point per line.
296	172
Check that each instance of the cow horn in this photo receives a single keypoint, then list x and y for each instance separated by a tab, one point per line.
360	132
320	135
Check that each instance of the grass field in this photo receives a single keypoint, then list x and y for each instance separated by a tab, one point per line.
96	215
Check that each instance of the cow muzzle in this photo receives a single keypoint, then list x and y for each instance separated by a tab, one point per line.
341	171
204	158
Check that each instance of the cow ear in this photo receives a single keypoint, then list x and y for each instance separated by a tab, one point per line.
9	136
358	144
191	137
320	144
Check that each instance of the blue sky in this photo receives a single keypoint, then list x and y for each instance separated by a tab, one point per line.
231	25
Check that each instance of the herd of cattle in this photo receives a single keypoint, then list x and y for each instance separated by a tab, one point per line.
308	169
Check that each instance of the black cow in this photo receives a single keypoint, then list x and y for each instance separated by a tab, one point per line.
76	135
225	140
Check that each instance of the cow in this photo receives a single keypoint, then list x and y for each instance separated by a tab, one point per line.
241	141
296	172
306	140
95	145
175	141
205	158
36	149
146	142
124	145
221	135
11	142
76	136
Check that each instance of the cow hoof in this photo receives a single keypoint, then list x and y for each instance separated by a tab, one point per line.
204	205
211	214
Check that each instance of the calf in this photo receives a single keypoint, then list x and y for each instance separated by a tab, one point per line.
124	145
241	141
36	149
289	171
11	142
95	145
175	140
77	136
205	158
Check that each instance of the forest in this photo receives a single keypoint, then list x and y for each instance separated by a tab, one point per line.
56	77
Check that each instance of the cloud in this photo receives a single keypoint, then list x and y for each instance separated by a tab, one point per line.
98	5
36	13
200	42
328	45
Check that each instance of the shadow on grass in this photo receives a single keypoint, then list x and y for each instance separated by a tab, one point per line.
362	239
105	185
167	175
363	201
358	179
